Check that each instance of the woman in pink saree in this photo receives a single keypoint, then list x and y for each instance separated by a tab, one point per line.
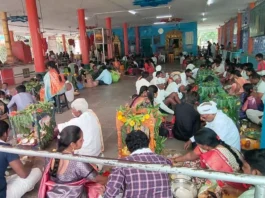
216	155
64	178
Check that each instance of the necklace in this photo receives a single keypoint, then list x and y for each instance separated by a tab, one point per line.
66	151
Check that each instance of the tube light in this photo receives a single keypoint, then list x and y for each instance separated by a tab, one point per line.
132	12
209	2
203	14
204	19
159	23
164	16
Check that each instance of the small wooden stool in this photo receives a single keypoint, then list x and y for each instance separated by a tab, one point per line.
60	104
171	58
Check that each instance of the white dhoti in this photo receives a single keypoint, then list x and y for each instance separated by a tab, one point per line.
17	186
255	116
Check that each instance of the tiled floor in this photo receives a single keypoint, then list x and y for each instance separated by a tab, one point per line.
105	100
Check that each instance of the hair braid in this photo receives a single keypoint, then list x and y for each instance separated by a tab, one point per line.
53	172
239	161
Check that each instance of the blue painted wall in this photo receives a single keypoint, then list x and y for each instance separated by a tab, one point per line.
152	31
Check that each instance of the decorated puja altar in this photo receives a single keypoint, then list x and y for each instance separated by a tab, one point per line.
148	120
33	127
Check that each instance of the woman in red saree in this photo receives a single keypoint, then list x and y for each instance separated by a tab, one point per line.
64	178
216	155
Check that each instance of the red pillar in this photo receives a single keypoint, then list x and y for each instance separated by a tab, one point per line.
232	24
225	35
125	36
239	27
219	35
83	36
11	35
109	28
64	43
33	20
137	40
250	39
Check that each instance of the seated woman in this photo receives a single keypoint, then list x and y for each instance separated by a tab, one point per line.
248	100
163	99
116	64
149	67
53	82
216	155
141	100
64	178
237	83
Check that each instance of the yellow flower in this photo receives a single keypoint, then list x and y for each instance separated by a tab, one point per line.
132	123
123	119
125	151
120	113
225	110
147	116
143	119
238	103
120	117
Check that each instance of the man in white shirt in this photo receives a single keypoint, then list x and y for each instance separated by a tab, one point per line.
184	77
142	82
220	123
158	80
174	86
259	86
190	65
89	123
154	59
182	58
158	68
219	66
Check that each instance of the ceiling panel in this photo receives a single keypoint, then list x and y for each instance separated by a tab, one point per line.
59	15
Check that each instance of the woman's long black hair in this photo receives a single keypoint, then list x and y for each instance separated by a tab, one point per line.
52	64
142	90
152	90
208	137
248	88
70	134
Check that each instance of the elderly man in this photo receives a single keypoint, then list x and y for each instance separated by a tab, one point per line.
174	85
220	123
88	122
135	182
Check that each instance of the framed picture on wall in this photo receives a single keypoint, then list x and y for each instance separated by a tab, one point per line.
189	38
156	40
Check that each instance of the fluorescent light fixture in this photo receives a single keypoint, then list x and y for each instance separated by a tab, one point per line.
86	18
164	16
204	19
132	12
203	14
159	23
209	2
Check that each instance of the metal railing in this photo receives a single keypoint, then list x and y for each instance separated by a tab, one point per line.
257	181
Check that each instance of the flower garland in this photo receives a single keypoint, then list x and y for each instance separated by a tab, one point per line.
135	121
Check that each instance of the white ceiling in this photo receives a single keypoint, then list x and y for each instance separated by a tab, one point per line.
59	15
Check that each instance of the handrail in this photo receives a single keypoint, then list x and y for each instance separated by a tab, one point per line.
258	181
